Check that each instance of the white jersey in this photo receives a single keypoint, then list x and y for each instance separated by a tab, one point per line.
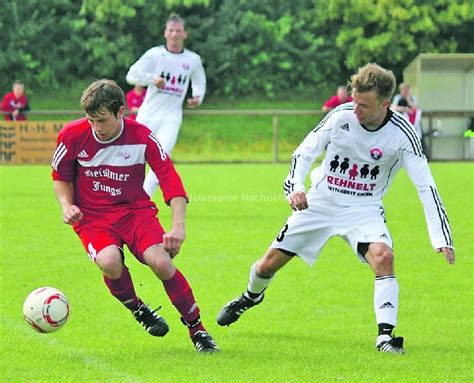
360	165
178	69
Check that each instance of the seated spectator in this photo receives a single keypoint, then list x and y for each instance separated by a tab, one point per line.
15	103
341	97
134	100
405	103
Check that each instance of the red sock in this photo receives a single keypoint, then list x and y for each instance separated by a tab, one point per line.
122	289
181	296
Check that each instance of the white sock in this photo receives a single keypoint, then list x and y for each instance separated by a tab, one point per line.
386	299
256	285
151	183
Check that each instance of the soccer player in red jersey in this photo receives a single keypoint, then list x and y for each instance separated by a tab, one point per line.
98	172
15	103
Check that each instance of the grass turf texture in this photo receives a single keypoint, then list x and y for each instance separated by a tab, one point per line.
316	324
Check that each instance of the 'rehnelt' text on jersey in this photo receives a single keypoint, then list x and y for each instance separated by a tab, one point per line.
360	164
109	175
178	69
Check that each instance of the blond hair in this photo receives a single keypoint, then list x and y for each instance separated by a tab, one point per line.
372	77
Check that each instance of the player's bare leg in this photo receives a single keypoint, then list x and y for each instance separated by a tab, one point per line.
380	258
261	274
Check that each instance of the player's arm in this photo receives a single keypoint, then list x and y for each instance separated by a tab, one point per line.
198	86
142	71
304	156
173	193
63	170
65	194
173	239
435	213
448	253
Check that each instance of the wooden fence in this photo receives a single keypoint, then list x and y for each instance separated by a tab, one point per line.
32	142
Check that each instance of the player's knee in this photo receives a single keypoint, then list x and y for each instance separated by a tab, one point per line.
162	267
382	256
111	264
265	269
269	264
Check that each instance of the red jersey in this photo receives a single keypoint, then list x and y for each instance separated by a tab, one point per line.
134	100
108	176
10	103
334	101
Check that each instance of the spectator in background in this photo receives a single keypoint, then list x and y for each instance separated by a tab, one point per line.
341	97
135	99
167	70
15	103
405	103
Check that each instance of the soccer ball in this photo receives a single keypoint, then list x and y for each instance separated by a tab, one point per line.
46	309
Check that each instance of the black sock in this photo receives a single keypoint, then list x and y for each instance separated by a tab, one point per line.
254	295
385	329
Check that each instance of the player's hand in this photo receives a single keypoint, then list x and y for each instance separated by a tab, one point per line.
448	254
160	82
72	215
298	201
193	102
173	240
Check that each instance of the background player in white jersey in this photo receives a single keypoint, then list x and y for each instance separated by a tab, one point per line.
366	143
98	172
167	71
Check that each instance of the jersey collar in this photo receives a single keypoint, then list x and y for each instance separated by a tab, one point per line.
112	139
386	119
174	53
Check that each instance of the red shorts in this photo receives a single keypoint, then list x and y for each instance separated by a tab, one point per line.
139	229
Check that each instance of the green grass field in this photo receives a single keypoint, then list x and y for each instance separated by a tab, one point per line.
316	324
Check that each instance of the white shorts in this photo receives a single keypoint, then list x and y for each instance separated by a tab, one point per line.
307	231
166	130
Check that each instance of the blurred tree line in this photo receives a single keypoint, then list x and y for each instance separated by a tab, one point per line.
249	47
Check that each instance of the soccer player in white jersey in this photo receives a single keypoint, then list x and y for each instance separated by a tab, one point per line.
366	143
167	70
98	172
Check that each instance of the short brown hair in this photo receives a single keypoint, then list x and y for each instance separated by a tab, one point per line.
102	94
175	18
373	77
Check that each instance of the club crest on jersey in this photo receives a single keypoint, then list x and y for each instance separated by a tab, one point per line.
186	66
376	153
123	155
